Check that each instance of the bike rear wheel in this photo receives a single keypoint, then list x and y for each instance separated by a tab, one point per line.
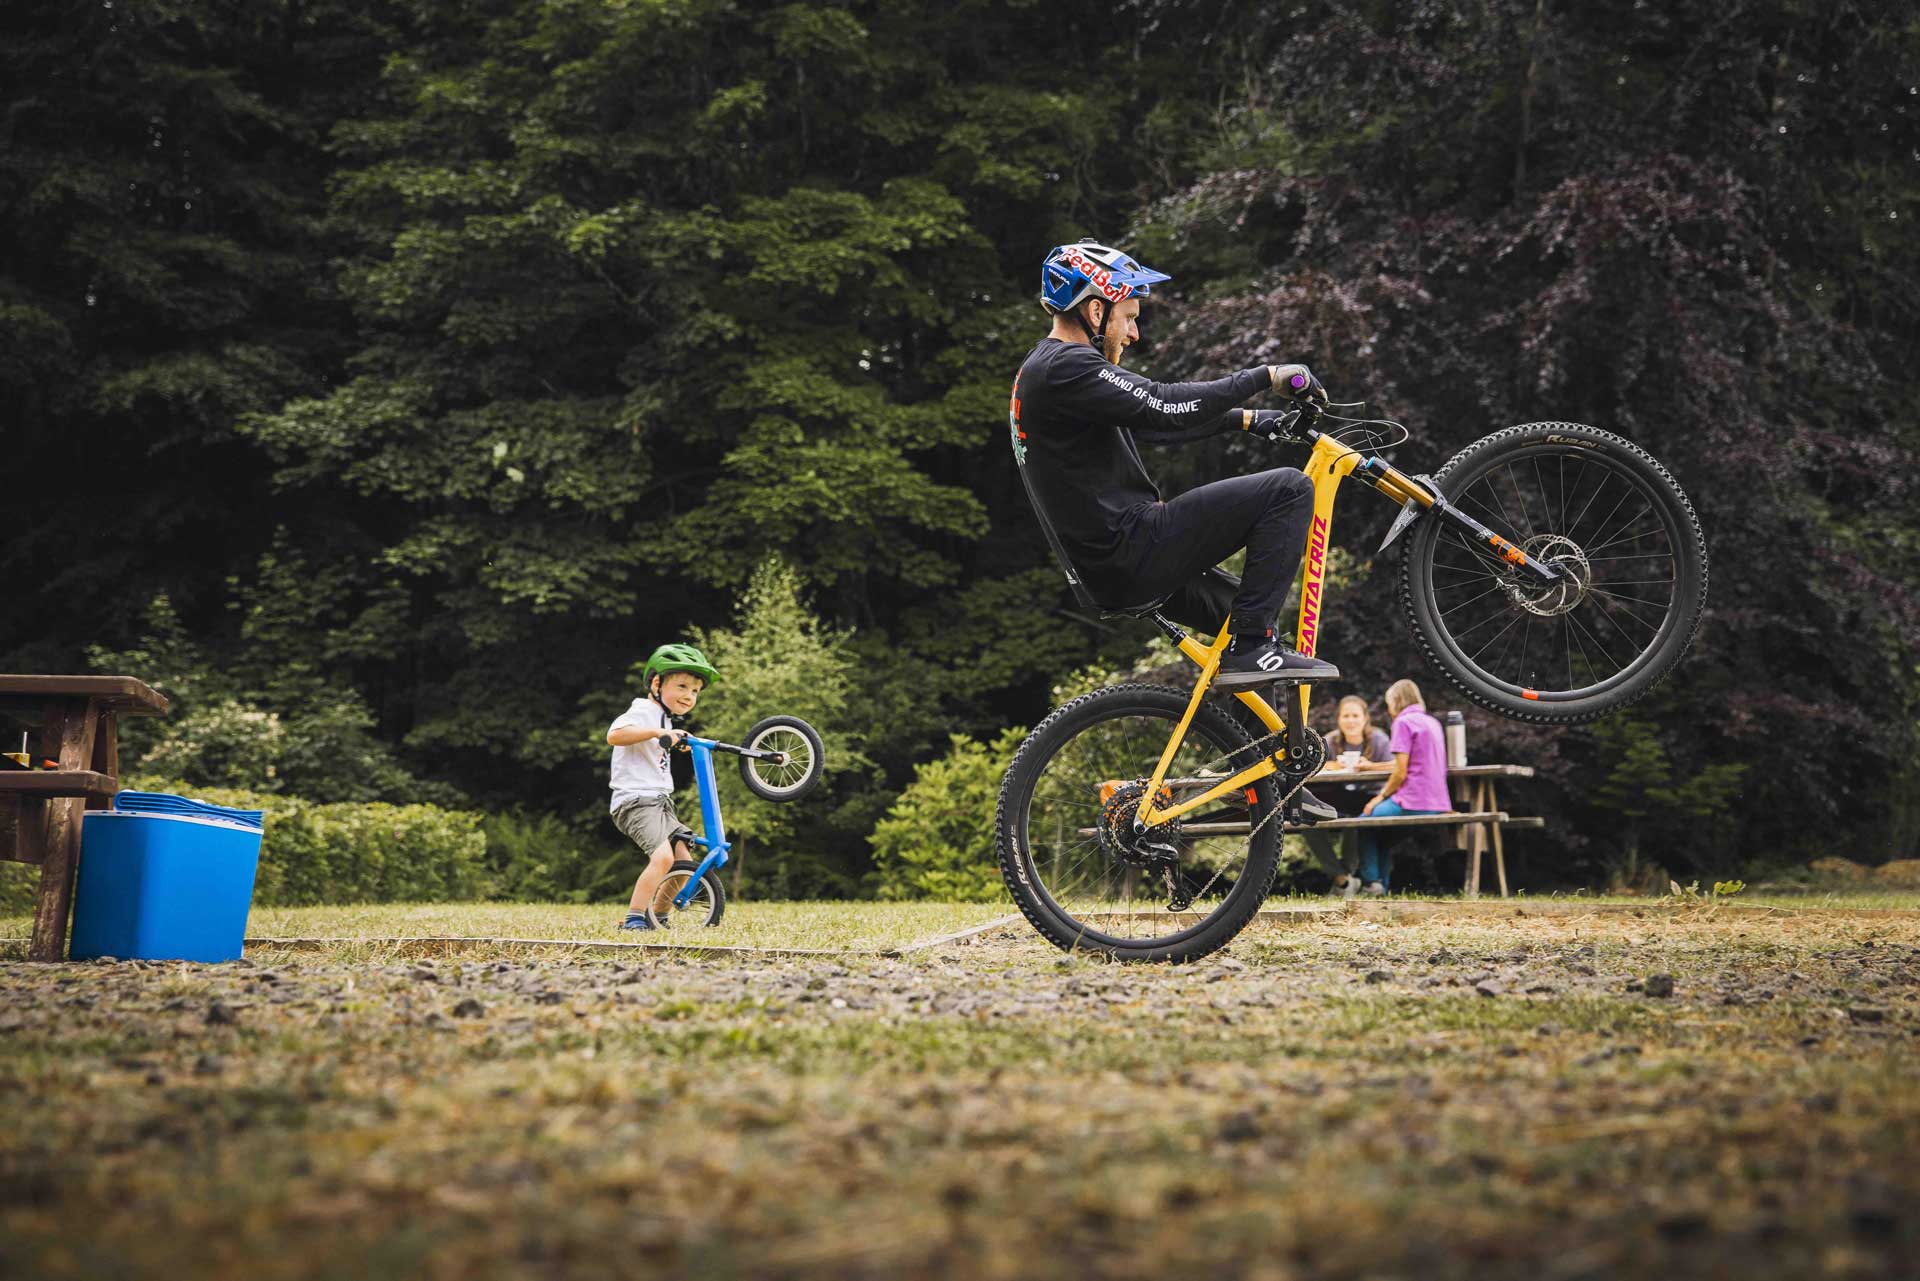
1063	828
706	905
1609	515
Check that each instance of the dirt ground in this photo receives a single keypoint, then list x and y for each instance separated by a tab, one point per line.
1483	1092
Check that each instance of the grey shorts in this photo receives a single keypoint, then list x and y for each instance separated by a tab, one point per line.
649	821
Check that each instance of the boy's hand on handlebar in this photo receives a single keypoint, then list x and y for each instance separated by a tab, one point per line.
672	738
1298	382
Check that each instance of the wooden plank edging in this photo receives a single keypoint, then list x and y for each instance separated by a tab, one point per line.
454	943
943	939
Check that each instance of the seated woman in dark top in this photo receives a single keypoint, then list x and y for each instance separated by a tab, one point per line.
1355	745
1357	752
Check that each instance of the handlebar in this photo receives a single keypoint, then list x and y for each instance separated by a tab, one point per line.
714	745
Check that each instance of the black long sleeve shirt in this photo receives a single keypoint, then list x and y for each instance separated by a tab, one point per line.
1075	418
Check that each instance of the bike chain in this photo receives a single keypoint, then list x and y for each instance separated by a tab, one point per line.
1177	899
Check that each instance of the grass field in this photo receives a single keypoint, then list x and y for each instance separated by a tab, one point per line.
1518	1089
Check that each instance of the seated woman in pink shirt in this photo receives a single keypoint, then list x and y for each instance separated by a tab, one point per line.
1418	783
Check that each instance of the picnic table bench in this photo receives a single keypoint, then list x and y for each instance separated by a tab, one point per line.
1474	786
78	722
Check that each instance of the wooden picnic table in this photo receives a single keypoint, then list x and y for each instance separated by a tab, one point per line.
78	722
1475	787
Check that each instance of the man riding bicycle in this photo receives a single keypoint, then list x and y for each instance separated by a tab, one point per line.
1075	415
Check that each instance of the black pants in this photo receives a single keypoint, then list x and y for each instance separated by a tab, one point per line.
1176	546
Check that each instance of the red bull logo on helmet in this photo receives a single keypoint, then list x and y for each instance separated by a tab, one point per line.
1101	277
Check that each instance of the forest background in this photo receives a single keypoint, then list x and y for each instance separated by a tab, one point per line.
383	380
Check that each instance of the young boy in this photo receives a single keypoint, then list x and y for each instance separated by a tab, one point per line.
642	783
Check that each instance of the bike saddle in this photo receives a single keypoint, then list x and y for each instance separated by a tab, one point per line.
1134	611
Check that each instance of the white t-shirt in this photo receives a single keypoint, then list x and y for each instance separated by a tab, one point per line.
640	769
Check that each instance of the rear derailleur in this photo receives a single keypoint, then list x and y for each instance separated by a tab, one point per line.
1153	849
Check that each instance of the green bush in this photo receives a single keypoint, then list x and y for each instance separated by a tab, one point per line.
540	859
355	852
937	840
19	889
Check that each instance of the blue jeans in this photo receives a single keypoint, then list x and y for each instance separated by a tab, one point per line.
1376	861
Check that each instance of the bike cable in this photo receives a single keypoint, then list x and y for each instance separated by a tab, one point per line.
1359	430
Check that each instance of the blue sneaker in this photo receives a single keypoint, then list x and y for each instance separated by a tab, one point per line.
636	921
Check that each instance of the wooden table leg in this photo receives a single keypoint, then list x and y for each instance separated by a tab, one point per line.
70	730
1493	828
106	757
1476	837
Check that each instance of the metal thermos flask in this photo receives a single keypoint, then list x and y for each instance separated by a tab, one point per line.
1456	740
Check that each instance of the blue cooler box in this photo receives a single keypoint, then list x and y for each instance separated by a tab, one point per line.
163	878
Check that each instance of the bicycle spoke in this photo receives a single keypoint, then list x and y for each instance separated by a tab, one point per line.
1521	499
1606	612
1600	542
1490	618
1575	523
1624	538
1491	518
1604	653
1618	504
1475	656
1633	600
1463	604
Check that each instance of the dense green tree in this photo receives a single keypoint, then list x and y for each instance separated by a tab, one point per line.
162	272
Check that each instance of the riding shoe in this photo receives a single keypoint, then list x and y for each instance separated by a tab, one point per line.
1260	659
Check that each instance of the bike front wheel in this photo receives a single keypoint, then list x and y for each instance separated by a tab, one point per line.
1619	527
797	769
1084	879
705	905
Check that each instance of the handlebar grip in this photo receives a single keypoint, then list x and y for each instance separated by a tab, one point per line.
1299	384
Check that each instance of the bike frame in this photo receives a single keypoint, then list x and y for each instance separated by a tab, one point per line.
715	842
1330	463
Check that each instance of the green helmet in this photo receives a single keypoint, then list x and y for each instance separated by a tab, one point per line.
678	658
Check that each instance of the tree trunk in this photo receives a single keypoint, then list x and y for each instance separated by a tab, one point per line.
1526	98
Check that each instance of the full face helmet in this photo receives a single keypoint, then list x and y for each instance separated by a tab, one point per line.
1074	273
677	658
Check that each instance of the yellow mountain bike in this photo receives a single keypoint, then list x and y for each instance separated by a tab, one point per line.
1553	572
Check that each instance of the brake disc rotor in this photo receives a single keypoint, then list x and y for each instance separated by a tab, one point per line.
1576	577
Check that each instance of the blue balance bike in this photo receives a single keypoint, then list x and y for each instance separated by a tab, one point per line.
780	761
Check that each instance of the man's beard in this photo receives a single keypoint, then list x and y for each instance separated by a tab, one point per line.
1111	345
